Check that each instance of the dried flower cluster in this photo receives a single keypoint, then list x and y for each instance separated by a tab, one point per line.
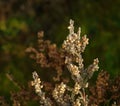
47	55
38	89
22	97
105	90
58	93
64	95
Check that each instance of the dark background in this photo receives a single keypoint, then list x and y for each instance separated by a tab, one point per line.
21	20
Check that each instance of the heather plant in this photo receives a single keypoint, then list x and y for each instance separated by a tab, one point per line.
63	94
20	20
106	91
70	89
47	55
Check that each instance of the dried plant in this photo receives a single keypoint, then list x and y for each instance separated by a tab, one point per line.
47	55
106	91
38	89
64	95
23	96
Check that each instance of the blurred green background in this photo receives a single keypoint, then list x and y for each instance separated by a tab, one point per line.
21	20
